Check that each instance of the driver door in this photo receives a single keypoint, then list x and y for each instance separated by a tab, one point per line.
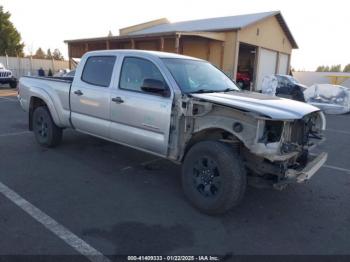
140	119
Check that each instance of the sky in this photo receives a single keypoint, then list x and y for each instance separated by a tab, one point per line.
321	28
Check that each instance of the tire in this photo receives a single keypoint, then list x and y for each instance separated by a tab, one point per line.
213	177
46	132
13	85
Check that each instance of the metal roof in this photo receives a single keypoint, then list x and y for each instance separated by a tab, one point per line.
203	25
217	24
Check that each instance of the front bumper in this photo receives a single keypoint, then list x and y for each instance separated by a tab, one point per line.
299	176
6	80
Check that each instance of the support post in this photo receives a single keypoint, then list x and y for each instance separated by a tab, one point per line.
235	64
70	56
222	55
7	60
18	67
31	65
208	50
161	44
53	65
177	43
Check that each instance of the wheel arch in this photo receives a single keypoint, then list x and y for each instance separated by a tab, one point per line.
213	133
37	101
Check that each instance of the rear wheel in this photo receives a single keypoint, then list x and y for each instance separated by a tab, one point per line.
213	177
46	132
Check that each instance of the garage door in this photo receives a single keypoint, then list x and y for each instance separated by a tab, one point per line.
283	64
267	65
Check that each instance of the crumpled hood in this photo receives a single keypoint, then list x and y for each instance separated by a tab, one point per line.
270	106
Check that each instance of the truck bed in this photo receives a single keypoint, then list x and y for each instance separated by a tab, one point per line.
56	90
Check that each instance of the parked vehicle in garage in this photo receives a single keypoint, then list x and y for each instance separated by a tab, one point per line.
6	77
243	80
186	110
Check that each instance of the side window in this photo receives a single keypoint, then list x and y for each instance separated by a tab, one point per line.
98	70
282	81
135	71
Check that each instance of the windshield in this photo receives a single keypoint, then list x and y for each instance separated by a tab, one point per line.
288	78
194	76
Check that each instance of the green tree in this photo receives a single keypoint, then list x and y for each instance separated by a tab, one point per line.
347	68
48	54
57	54
320	68
39	54
10	38
335	68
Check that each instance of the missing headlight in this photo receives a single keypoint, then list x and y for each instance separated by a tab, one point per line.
272	131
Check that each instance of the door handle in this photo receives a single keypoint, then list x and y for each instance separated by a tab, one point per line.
78	93
118	100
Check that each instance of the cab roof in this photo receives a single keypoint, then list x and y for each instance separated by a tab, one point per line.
141	52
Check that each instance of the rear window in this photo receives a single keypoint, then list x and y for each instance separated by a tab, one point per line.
98	70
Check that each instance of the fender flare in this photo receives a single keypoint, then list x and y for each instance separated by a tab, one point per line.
43	95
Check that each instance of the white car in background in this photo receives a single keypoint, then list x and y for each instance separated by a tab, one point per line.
61	72
331	99
6	77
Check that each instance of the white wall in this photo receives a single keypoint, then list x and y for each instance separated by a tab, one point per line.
310	78
27	66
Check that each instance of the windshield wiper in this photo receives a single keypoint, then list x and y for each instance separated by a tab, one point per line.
201	91
227	90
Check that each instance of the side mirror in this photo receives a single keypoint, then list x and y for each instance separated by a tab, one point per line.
154	86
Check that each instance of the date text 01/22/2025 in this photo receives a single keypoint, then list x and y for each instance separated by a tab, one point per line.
173	258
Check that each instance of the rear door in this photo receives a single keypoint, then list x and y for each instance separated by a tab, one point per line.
90	96
140	119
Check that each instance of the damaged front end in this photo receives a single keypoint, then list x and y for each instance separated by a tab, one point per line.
275	150
281	154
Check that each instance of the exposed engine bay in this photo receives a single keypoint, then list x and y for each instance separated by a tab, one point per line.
268	147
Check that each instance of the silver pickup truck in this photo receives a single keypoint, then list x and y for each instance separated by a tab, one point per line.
186	110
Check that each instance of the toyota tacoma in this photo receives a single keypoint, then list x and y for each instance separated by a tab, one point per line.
185	110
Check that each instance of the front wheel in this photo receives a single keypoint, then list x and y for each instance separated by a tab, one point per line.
46	132
213	177
13	85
